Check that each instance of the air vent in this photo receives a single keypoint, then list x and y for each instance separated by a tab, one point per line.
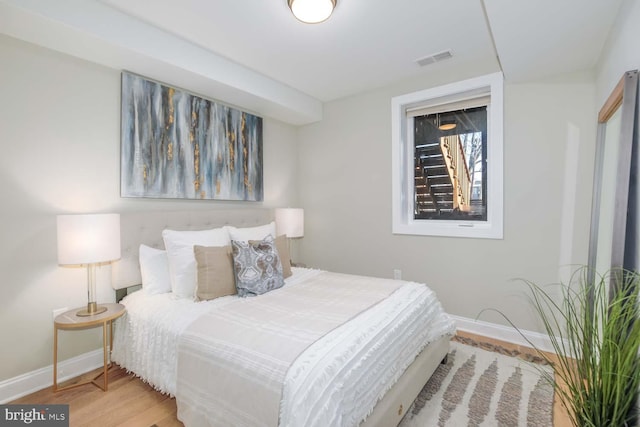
436	57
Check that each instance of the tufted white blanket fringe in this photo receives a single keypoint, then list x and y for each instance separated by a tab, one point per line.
339	379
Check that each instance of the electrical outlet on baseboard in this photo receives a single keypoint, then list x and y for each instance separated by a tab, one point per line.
397	274
59	311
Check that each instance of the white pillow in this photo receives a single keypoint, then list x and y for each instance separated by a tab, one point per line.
154	269
252	233
182	260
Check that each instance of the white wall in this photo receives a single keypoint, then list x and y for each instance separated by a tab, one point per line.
60	145
346	192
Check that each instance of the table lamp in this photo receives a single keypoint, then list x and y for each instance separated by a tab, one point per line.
88	240
290	222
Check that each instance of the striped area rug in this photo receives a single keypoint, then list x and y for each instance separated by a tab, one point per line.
482	388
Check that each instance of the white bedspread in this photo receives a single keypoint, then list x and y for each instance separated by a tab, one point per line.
336	381
285	353
146	338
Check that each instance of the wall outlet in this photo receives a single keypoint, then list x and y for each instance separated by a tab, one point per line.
397	274
59	311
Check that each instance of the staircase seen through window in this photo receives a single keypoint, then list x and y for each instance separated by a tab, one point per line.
450	154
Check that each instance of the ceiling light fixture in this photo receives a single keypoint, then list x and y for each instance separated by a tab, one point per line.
312	11
447	125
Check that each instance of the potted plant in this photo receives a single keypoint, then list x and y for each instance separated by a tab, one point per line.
594	329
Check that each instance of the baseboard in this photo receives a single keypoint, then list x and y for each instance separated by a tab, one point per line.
504	333
15	388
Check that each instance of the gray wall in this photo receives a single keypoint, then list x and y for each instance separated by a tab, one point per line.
60	145
346	192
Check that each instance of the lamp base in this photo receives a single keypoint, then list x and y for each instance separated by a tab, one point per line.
92	309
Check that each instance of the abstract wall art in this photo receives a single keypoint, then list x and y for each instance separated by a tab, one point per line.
179	145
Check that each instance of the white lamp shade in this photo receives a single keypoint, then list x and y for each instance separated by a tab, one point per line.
88	239
290	221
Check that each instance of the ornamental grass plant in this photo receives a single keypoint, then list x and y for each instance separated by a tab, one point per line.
594	329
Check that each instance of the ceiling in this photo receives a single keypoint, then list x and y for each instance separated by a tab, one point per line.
255	54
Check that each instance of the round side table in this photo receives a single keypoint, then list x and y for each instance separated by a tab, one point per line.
70	321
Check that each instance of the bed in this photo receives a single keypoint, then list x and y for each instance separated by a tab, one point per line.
324	349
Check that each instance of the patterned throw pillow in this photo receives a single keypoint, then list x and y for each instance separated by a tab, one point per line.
282	246
257	267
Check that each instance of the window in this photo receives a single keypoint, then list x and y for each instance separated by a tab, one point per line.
447	160
449	152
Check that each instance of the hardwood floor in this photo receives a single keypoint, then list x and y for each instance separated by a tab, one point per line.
132	403
129	402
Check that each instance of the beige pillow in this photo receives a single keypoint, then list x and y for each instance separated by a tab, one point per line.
282	247
214	272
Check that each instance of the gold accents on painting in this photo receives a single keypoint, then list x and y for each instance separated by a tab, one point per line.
170	93
232	154
170	151
198	185
218	186
196	160
196	166
145	174
194	121
245	160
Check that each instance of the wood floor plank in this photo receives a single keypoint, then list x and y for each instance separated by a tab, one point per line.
119	405
157	414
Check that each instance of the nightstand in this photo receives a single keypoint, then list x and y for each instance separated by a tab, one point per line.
70	321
